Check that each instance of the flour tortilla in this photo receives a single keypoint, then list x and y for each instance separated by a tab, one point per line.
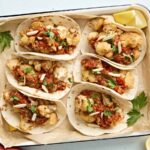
82	126
57	19
13	118
39	93
128	95
86	48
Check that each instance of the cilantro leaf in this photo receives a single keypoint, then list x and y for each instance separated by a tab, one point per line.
70	80
114	49
27	70
111	83
33	108
95	95
107	113
134	116
5	40
140	101
89	108
14	98
50	34
45	83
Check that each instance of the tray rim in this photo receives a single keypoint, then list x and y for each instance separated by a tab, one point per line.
137	134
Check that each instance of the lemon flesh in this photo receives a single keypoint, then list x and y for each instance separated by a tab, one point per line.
147	144
131	18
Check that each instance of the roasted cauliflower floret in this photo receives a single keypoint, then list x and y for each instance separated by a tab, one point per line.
53	119
92	35
110	27
36	25
87	118
62	32
136	53
97	24
60	73
131	39
44	111
46	65
73	39
129	80
102	48
24	40
12	63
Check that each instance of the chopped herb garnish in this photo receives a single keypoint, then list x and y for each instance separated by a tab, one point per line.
33	108
15	98
111	83
114	49
51	85
107	113
137	104
70	80
50	34
64	43
95	95
89	108
5	40
45	83
27	70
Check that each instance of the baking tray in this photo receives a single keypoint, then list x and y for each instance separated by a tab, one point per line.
81	15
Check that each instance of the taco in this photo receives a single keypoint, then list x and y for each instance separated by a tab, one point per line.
51	37
121	45
31	115
40	78
90	68
94	111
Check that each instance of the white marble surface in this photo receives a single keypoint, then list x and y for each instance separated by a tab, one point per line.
10	7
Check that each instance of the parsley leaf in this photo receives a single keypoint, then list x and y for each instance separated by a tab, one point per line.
137	103
27	70
111	83
5	40
107	113
33	108
134	116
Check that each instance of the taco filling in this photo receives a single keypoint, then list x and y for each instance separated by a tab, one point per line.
98	109
49	38
32	112
96	71
114	43
48	76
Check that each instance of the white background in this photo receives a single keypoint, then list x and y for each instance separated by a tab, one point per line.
10	7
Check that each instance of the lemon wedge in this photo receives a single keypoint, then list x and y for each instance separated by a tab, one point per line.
147	144
131	18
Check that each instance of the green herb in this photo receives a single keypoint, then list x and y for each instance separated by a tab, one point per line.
137	103
27	70
70	80
111	83
45	83
57	39
107	113
5	40
15	98
50	34
134	116
64	43
95	95
114	49
33	108
89	108
51	85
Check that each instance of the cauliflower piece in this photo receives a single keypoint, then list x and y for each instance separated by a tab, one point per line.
102	48
53	119
47	65
136	54
92	35
36	25
24	40
110	27
97	24
37	65
44	111
73	39
109	54
131	39
24	125
129	80
60	73
87	76
62	32
87	118
11	64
